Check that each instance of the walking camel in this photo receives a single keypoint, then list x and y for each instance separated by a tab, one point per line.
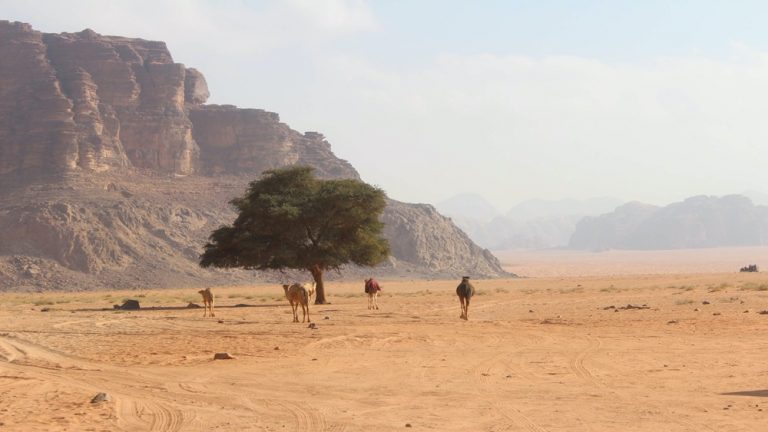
465	291
207	301
297	295
372	288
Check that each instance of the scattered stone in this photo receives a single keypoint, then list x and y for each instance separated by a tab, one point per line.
705	302
631	306
485	374
609	307
193	306
277	348
221	321
241	305
327	317
45	309
128	305
508	376
672	322
746	311
222	356
696	310
763	312
716	313
408	425
314	359
313	326
101	397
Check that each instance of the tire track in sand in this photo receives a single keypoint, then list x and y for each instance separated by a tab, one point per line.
304	417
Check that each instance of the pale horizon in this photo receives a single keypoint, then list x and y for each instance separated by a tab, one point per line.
652	102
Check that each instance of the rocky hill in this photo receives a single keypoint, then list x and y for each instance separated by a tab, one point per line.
697	222
113	170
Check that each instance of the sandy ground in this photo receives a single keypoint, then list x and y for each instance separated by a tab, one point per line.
562	262
538	354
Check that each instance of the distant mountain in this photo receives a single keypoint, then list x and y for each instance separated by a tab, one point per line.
531	224
697	222
539	208
468	206
757	197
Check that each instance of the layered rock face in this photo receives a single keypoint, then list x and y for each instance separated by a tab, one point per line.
81	113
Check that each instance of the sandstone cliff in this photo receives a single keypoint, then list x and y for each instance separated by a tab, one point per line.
113	170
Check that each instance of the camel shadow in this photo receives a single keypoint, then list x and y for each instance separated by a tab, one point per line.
755	393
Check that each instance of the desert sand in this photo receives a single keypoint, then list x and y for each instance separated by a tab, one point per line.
537	354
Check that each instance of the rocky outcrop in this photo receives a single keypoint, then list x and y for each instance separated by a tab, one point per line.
239	141
113	171
697	222
419	235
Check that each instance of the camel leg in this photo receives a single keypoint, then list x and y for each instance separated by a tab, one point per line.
307	307
376	301
466	311
212	314
295	312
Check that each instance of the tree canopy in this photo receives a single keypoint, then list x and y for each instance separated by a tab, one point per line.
290	219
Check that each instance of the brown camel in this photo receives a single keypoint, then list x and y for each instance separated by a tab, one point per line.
297	295
207	301
465	291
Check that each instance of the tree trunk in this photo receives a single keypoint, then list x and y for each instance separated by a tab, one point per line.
317	275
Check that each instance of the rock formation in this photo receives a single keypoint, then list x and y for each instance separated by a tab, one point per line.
113	170
697	222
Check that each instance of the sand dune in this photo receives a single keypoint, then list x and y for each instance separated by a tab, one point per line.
536	355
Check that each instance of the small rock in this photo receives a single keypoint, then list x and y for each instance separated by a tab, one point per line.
696	310
314	359
746	311
485	374
763	312
129	304
45	309
530	310
193	306
327	317
705	302
241	305
101	397
313	326
222	356
408	425
716	313
672	322
609	307
277	348
221	321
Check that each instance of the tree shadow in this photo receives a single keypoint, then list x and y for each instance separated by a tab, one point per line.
175	308
755	393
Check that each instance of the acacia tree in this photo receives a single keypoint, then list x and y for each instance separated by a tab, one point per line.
290	219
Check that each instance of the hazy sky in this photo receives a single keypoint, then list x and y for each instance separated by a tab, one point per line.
645	100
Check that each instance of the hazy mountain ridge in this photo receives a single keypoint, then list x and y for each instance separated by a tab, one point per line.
697	222
531	224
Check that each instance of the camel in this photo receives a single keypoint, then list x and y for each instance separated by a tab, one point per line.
310	287
297	295
372	288
465	291
207	301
